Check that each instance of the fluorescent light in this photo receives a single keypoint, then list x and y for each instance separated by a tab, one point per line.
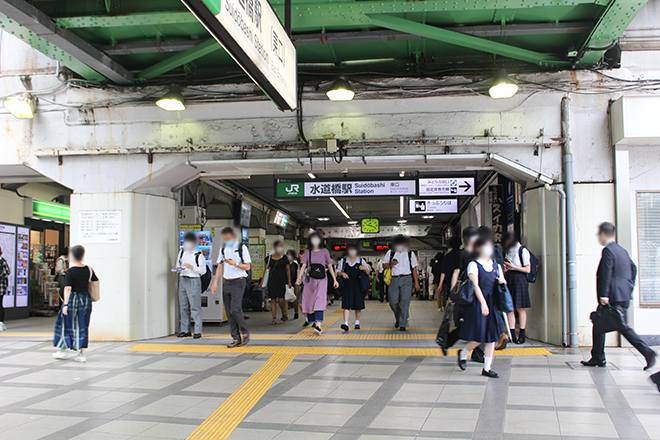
340	90
402	222
21	107
402	174
323	219
401	206
503	86
428	216
172	101
352	222
343	211
311	175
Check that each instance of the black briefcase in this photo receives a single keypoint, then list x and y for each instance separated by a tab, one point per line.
608	319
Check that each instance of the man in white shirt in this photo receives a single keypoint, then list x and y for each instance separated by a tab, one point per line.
191	265
403	263
233	263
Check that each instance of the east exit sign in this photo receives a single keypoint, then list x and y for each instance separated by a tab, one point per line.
252	34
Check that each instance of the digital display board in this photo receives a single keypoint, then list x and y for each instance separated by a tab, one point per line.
280	219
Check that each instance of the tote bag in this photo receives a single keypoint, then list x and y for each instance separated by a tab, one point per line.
94	287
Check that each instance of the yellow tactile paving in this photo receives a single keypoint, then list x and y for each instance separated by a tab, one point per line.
341	351
227	417
309	335
27	334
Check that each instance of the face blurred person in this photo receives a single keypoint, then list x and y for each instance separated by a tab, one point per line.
517	265
351	268
191	265
279	278
294	267
404	266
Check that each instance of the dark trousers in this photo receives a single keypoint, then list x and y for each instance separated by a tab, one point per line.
232	296
2	308
598	350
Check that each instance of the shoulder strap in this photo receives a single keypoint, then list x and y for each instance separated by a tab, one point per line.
240	252
180	256
410	260
520	255
197	257
91	272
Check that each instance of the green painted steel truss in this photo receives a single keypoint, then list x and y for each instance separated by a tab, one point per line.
128	42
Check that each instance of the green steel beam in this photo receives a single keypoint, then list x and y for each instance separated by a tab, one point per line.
463	40
178	60
617	17
328	12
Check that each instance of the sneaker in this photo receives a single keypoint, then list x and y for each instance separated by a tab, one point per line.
60	354
80	358
3	327
344	327
305	324
317	329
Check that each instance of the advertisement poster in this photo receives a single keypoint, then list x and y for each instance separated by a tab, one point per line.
258	257
204	243
22	266
8	246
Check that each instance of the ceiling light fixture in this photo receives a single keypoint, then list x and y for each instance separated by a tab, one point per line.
402	174
340	90
502	86
343	211
21	107
311	175
323	219
172	101
428	216
402	222
401	206
352	223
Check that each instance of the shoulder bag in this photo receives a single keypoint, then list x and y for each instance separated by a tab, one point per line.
503	296
94	287
462	293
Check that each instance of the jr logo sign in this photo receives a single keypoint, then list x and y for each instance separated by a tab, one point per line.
289	189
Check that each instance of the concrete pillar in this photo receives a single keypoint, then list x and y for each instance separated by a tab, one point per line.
137	286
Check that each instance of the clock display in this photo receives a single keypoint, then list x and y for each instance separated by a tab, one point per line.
370	226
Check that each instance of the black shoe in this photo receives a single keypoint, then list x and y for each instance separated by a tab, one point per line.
184	335
295	316
317	329
650	361
396	324
197	336
521	337
357	326
462	364
305	324
402	329
593	363
514	338
490	373
344	327
656	379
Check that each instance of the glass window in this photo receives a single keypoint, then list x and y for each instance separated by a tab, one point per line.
648	241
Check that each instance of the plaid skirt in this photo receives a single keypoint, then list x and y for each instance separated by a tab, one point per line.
72	329
519	288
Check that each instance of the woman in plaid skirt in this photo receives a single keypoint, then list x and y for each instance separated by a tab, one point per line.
517	265
72	326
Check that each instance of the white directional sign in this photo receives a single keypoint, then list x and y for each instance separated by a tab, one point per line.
454	186
252	34
433	206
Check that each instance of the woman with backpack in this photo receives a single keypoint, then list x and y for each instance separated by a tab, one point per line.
517	265
355	272
480	322
279	277
72	325
316	264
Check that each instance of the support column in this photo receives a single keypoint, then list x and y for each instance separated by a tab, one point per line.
622	213
137	286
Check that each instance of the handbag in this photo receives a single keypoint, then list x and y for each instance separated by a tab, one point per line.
462	293
503	297
264	280
94	287
443	330
607	319
290	294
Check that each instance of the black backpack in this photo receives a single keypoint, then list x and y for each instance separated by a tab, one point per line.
207	276
533	264
240	254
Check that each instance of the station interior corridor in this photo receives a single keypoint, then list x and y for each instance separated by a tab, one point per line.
289	383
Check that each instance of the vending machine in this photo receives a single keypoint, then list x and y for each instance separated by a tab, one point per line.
211	304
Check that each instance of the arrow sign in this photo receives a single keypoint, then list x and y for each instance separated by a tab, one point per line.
454	186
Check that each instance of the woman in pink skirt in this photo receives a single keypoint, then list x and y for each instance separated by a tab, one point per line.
316	264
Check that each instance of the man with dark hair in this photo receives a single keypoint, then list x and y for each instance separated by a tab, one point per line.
615	281
190	265
403	263
447	269
233	264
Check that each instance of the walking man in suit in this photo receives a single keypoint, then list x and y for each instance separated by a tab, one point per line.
615	281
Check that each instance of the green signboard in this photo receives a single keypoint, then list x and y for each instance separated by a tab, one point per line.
290	189
51	211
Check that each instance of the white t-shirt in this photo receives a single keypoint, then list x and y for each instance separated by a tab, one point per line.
403	268
231	253
198	262
514	256
348	261
487	265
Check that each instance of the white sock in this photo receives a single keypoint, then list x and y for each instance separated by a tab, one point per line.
488	361
346	323
464	355
357	322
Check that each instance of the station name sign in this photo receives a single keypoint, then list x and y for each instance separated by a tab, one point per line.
252	34
433	206
455	186
346	188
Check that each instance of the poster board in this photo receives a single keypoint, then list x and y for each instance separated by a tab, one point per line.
258	257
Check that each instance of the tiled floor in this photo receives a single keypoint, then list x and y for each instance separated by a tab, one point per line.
121	394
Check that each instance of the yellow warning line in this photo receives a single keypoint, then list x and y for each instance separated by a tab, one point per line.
341	351
310	335
227	417
26	334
